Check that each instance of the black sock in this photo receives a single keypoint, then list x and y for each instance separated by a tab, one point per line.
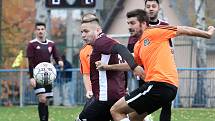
42	112
166	112
47	112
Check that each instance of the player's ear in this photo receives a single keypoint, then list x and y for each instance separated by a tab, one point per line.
143	23
98	30
159	8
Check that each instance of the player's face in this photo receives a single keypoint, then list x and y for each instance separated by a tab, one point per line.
134	26
88	33
152	8
40	31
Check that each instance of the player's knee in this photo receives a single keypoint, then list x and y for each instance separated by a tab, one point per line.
42	99
113	111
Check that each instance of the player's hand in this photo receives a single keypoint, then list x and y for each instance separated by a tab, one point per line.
61	64
211	30
127	91
138	71
100	66
89	94
33	82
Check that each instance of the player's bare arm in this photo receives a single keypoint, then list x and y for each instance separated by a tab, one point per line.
33	82
125	54
61	63
190	31
87	85
118	67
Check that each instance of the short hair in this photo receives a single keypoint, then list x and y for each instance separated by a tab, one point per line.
141	15
158	2
40	24
89	17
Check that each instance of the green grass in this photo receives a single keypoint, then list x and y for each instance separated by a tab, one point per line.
29	113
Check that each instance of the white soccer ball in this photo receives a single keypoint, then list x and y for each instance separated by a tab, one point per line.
45	73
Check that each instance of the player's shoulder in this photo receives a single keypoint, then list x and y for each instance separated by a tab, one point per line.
33	41
86	47
104	40
37	41
167	27
50	41
163	22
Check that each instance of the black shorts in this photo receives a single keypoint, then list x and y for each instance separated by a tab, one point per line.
95	110
44	89
151	96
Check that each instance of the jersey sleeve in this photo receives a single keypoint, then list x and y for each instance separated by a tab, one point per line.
30	55
165	33
30	52
56	54
136	53
104	45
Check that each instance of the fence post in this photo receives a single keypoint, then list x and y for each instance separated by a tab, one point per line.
21	88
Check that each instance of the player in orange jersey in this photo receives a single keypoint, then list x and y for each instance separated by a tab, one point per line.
152	51
85	53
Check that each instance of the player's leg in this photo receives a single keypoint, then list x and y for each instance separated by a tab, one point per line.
43	93
94	110
166	112
134	116
40	92
144	100
42	107
49	94
120	110
131	104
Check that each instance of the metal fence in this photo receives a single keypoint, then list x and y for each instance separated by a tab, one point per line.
15	89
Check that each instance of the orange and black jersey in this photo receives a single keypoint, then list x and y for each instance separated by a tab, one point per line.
152	52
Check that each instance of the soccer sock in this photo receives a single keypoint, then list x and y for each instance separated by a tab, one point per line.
47	112
125	119
42	111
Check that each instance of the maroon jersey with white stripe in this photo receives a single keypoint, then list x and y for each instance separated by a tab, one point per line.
38	52
106	85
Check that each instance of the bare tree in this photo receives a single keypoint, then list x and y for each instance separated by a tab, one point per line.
201	57
0	31
43	14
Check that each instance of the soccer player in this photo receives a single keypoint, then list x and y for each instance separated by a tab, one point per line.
40	50
152	8
152	51
107	86
84	55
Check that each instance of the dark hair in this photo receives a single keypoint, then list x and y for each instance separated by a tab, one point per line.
152	0
40	24
89	17
140	14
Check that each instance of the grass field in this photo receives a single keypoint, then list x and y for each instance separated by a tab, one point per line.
70	113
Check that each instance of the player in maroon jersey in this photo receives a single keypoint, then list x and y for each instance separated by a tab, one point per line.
40	50
107	86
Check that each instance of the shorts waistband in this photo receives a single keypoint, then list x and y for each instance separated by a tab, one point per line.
163	84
